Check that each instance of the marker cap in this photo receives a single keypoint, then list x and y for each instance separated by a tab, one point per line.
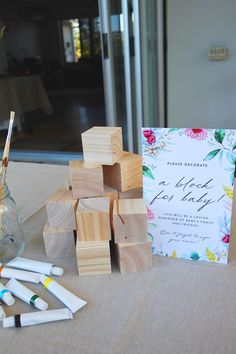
8	299
57	271
40	304
2	313
8	322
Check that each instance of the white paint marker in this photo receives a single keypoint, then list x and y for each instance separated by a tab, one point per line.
2	313
73	302
9	273
35	318
25	294
35	266
6	296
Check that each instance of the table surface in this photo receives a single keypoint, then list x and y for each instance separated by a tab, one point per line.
178	307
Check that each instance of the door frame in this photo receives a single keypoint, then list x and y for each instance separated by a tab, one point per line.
107	62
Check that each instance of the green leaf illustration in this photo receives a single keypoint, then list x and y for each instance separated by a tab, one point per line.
221	155
230	169
231	157
172	130
151	226
232	178
147	172
234	145
210	255
150	237
219	135
212	154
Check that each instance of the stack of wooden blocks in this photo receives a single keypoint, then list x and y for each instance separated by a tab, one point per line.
105	200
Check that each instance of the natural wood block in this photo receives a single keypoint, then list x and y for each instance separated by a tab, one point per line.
58	242
131	194
134	257
93	257
68	186
125	174
86	179
130	220
93	220
112	194
102	145
61	210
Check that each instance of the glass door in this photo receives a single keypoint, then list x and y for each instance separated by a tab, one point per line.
135	61
152	65
117	35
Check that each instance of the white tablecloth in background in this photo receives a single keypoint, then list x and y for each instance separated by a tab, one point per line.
22	95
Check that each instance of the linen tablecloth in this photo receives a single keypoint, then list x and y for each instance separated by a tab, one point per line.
22	95
178	307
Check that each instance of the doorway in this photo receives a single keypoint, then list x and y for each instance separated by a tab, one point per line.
53	63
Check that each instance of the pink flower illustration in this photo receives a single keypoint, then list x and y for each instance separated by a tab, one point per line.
147	133
151	139
150	215
199	134
226	239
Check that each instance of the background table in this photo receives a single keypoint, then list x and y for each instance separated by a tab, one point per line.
22	94
178	307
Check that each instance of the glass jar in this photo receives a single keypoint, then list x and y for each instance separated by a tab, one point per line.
11	234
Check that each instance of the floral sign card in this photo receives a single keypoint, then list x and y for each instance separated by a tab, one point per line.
188	180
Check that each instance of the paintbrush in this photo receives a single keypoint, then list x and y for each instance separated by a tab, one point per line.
7	149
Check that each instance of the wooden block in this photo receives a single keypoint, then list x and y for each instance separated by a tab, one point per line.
112	194
131	194
125	174
61	210
134	257
93	220
58	242
130	220
68	186
102	145
93	257
86	179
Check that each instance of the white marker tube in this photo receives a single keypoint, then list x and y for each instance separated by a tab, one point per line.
34	318
5	295
26	295
73	302
35	266
2	313
19	275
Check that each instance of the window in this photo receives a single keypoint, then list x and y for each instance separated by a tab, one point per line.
81	38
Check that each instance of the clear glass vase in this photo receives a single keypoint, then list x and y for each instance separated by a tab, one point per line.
11	234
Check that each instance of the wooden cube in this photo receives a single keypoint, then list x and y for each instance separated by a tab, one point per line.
93	257
125	174
58	242
134	257
68	186
112	194
61	210
130	220
86	179
93	220
131	194
102	145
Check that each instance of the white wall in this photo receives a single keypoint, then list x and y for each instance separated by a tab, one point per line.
201	93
